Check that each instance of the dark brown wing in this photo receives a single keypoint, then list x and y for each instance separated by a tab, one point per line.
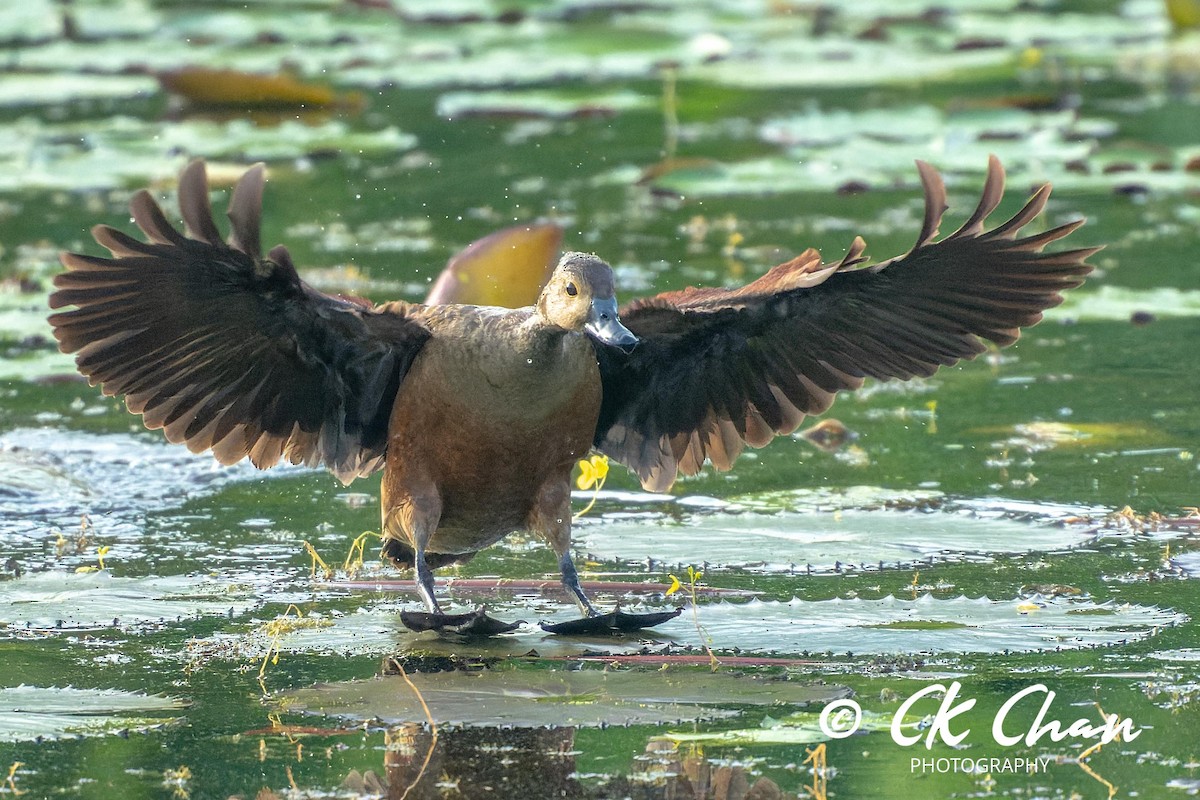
718	369
226	350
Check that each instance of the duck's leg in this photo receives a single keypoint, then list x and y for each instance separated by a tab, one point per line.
551	519
570	579
413	517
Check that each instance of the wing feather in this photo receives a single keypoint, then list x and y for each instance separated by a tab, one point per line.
717	369
227	351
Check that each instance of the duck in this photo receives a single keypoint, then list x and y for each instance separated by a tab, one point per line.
228	350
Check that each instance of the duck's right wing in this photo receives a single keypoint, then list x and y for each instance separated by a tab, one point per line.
717	369
229	351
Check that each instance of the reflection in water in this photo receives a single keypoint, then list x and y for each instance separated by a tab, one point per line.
540	762
481	762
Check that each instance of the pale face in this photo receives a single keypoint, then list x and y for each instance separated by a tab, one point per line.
580	296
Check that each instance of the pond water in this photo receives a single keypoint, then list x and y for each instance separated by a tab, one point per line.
1022	519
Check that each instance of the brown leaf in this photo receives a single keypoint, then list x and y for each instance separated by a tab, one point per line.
226	87
507	268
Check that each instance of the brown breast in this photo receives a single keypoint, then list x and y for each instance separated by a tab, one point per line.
496	405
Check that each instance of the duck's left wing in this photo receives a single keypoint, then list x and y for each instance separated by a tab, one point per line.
230	351
717	369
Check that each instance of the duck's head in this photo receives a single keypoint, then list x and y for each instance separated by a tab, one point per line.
580	297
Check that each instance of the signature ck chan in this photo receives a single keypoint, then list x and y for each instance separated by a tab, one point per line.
842	718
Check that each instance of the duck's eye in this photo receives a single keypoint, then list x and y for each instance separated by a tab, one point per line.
571	290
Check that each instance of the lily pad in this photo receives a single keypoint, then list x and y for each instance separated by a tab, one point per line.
823	543
378	631
831	149
1188	563
42	20
555	105
1034	437
32	89
32	713
1120	303
232	89
117	151
35	363
824	128
894	625
522	56
112	476
841	63
29	21
98	20
825	500
541	698
56	601
1184	654
23	323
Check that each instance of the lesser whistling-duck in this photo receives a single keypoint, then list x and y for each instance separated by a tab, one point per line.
228	351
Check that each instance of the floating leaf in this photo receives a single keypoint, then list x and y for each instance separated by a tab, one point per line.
119	20
537	698
35	364
29	21
18	89
927	624
1120	303
861	498
1188	564
202	86
821	542
851	150
524	586
67	474
1035	437
31	713
507	268
119	150
1184	654
378	631
556	105
53	601
838	63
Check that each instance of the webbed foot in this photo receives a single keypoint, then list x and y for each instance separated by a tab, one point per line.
473	623
612	622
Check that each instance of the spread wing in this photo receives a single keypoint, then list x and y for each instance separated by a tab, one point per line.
718	369
229	351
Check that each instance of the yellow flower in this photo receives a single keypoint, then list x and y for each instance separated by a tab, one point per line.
592	472
101	552
675	585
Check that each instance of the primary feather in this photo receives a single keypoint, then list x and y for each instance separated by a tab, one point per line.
721	368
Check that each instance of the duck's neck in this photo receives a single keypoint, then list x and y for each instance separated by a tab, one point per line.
534	367
545	344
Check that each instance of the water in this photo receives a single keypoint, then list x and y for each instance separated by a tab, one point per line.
968	533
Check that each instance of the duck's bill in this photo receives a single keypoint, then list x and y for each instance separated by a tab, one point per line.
605	325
